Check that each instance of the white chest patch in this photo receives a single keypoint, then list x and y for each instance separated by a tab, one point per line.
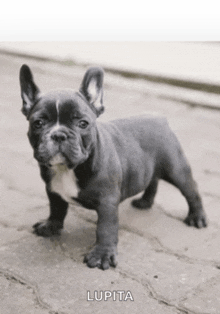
64	183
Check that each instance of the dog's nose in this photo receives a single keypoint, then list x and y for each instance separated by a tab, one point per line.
59	137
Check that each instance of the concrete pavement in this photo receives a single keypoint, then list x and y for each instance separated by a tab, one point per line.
167	267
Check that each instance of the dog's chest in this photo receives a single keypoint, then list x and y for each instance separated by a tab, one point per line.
64	183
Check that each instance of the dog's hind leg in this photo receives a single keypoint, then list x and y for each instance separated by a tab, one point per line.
180	175
147	199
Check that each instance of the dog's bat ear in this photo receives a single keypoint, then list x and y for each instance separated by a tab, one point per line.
29	91
92	88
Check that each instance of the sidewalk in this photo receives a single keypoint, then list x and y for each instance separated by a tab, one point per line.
168	267
192	68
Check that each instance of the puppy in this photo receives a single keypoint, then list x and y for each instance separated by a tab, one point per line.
98	165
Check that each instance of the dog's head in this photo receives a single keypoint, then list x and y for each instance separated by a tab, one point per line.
62	124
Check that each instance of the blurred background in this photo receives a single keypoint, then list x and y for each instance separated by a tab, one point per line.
191	65
196	61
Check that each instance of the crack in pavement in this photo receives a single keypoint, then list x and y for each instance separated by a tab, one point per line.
11	276
152	294
159	247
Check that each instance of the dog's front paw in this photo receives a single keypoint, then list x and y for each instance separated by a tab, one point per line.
47	228
197	220
102	257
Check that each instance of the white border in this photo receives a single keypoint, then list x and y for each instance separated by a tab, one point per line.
113	20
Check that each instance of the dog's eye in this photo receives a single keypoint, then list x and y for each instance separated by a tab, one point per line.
38	124
83	124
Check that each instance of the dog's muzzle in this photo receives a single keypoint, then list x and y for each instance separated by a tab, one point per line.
59	137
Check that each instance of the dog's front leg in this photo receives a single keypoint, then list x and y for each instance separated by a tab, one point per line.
104	254
58	211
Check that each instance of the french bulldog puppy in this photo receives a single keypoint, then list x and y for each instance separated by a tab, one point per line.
98	165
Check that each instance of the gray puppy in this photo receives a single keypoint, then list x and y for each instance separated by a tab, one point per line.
98	165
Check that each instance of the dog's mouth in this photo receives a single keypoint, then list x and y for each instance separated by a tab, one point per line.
69	154
58	159
61	160
52	161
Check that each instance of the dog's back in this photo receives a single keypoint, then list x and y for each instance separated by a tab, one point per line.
144	145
